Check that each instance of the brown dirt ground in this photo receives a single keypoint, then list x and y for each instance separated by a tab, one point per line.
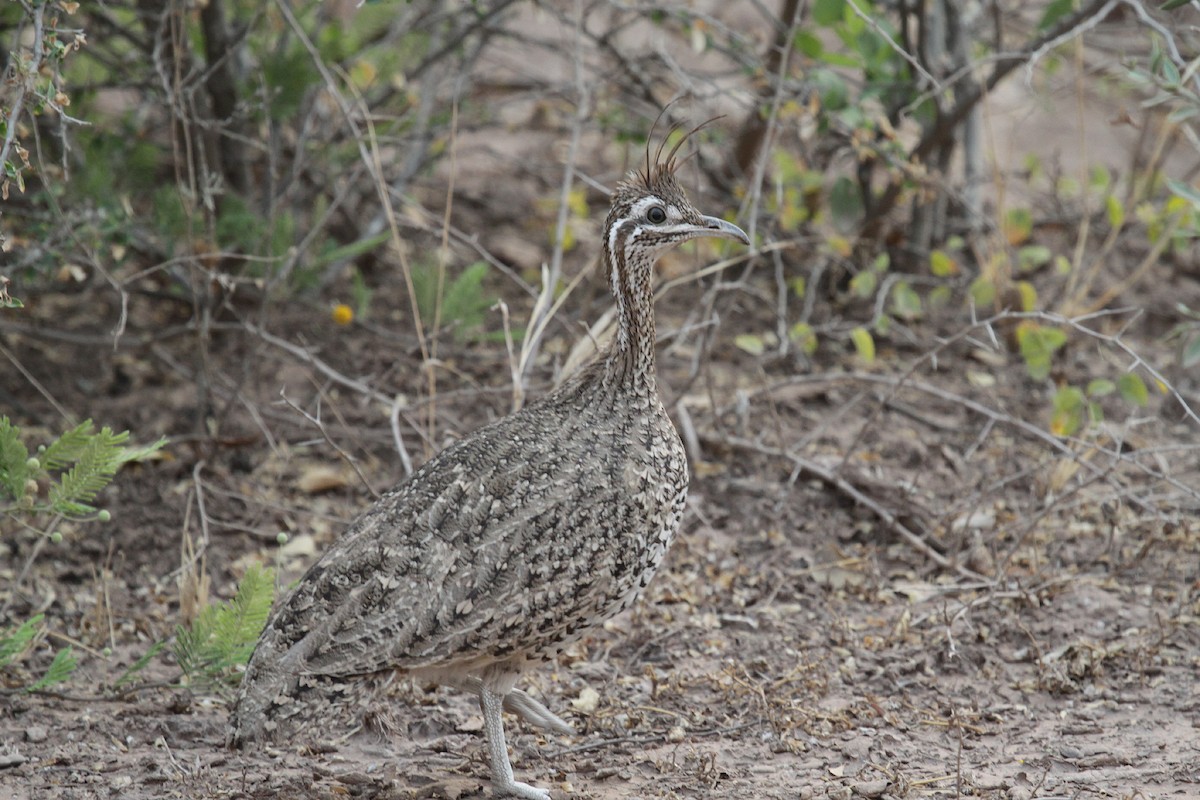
794	646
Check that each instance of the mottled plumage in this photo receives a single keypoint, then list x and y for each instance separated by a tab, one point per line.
512	542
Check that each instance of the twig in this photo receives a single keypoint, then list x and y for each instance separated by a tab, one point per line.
12	124
900	51
342	454
836	481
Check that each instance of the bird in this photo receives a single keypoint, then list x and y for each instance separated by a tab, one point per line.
513	541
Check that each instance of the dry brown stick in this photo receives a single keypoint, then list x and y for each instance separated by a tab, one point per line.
342	454
835	481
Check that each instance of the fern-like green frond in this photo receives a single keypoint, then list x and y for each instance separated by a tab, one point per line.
14	460
13	643
95	465
138	453
60	669
65	450
140	664
223	636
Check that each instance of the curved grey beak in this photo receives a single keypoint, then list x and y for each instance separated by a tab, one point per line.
720	229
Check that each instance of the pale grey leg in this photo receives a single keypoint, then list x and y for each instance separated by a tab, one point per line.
524	706
502	775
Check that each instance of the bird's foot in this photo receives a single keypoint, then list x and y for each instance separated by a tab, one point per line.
518	789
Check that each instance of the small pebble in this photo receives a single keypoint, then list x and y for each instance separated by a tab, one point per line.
871	788
36	734
989	781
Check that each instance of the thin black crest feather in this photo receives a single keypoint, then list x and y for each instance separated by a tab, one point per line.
650	137
670	164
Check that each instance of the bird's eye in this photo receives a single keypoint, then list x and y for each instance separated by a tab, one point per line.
656	214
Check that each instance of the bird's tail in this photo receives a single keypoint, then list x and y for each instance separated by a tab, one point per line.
280	698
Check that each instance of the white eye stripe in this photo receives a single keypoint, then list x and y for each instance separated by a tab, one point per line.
645	204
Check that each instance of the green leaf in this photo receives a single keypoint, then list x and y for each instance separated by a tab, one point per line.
95	465
351	251
864	344
14	460
1033	256
906	303
1038	345
1171	5
60	669
830	87
1029	295
1115	211
941	264
845	203
863	284
140	664
803	335
1100	387
1190	355
809	44
65	450
1055	11
1067	415
1099	178
983	292
1133	389
464	301
1184	191
1170	73
223	636
750	343
939	297
1018	225
14	643
828	12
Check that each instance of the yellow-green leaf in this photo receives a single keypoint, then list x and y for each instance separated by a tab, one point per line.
906	303
1018	226
1133	389
804	337
1067	416
577	202
1038	344
863	284
751	343
1028	294
939	296
864	343
983	292
839	244
941	264
1032	256
1115	211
